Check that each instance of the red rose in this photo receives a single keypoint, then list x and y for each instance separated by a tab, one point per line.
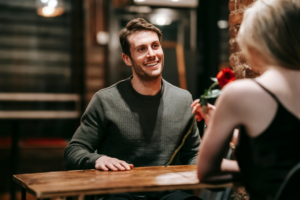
225	76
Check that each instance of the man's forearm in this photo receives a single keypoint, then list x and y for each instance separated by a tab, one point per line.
76	157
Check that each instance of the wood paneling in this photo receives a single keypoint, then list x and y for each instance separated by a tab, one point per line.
36	57
38	97
35	52
33	114
94	84
121	3
95	71
39	114
96	55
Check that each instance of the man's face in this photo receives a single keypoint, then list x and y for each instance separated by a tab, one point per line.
147	57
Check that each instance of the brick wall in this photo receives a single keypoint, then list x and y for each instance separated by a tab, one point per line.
237	60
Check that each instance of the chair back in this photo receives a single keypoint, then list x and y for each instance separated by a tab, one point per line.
290	187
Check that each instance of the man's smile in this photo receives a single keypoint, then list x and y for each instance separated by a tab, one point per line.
151	64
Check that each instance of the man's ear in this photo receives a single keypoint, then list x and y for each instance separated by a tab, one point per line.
127	59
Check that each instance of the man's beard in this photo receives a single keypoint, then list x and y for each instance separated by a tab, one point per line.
144	75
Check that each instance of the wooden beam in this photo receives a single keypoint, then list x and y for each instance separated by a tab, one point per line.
181	66
38	97
39	114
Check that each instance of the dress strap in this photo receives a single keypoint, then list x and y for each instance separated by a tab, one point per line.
268	91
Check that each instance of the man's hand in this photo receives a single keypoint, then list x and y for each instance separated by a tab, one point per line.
199	112
106	163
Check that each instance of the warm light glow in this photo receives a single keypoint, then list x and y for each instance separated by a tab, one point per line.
52	3
222	24
175	0
48	10
102	37
139	0
44	1
161	21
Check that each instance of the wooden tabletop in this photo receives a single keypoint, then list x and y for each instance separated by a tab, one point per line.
139	179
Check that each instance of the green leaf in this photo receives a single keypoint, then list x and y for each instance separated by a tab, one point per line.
214	79
212	94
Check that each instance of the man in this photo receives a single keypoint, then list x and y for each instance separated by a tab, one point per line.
139	121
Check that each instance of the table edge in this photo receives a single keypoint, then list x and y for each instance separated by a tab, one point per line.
23	185
132	189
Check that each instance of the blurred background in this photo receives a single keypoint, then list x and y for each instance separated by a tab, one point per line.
55	54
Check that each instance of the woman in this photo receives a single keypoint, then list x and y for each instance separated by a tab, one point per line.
267	109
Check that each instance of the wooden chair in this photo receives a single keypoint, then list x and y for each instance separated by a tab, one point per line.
289	189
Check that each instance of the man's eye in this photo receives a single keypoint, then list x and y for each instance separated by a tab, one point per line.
141	49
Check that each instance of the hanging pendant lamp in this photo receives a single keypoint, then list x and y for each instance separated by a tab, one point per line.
50	8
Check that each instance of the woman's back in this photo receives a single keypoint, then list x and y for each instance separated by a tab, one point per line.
283	84
266	158
268	114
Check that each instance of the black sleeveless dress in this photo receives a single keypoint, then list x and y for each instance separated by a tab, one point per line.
266	159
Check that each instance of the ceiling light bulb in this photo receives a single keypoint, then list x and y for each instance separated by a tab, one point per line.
52	3
48	10
44	1
175	0
139	0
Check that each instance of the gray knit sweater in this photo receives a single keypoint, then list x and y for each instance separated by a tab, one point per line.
141	130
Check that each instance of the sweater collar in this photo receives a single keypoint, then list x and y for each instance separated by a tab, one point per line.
147	97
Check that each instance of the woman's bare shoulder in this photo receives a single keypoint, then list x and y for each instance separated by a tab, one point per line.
241	89
242	95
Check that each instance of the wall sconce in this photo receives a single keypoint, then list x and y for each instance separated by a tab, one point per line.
222	24
50	8
102	38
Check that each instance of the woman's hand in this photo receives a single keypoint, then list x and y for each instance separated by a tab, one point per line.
199	112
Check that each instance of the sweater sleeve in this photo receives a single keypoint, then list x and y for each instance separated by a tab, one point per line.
80	153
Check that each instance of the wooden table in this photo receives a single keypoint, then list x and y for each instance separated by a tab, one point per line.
91	182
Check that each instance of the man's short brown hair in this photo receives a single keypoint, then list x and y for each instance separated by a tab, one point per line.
138	24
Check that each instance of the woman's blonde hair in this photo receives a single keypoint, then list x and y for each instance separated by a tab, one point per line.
272	28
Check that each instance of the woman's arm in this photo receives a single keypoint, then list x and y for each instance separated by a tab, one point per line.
221	121
230	166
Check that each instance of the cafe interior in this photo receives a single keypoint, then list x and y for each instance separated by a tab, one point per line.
56	54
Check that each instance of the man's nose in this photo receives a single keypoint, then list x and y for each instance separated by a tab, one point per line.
150	52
